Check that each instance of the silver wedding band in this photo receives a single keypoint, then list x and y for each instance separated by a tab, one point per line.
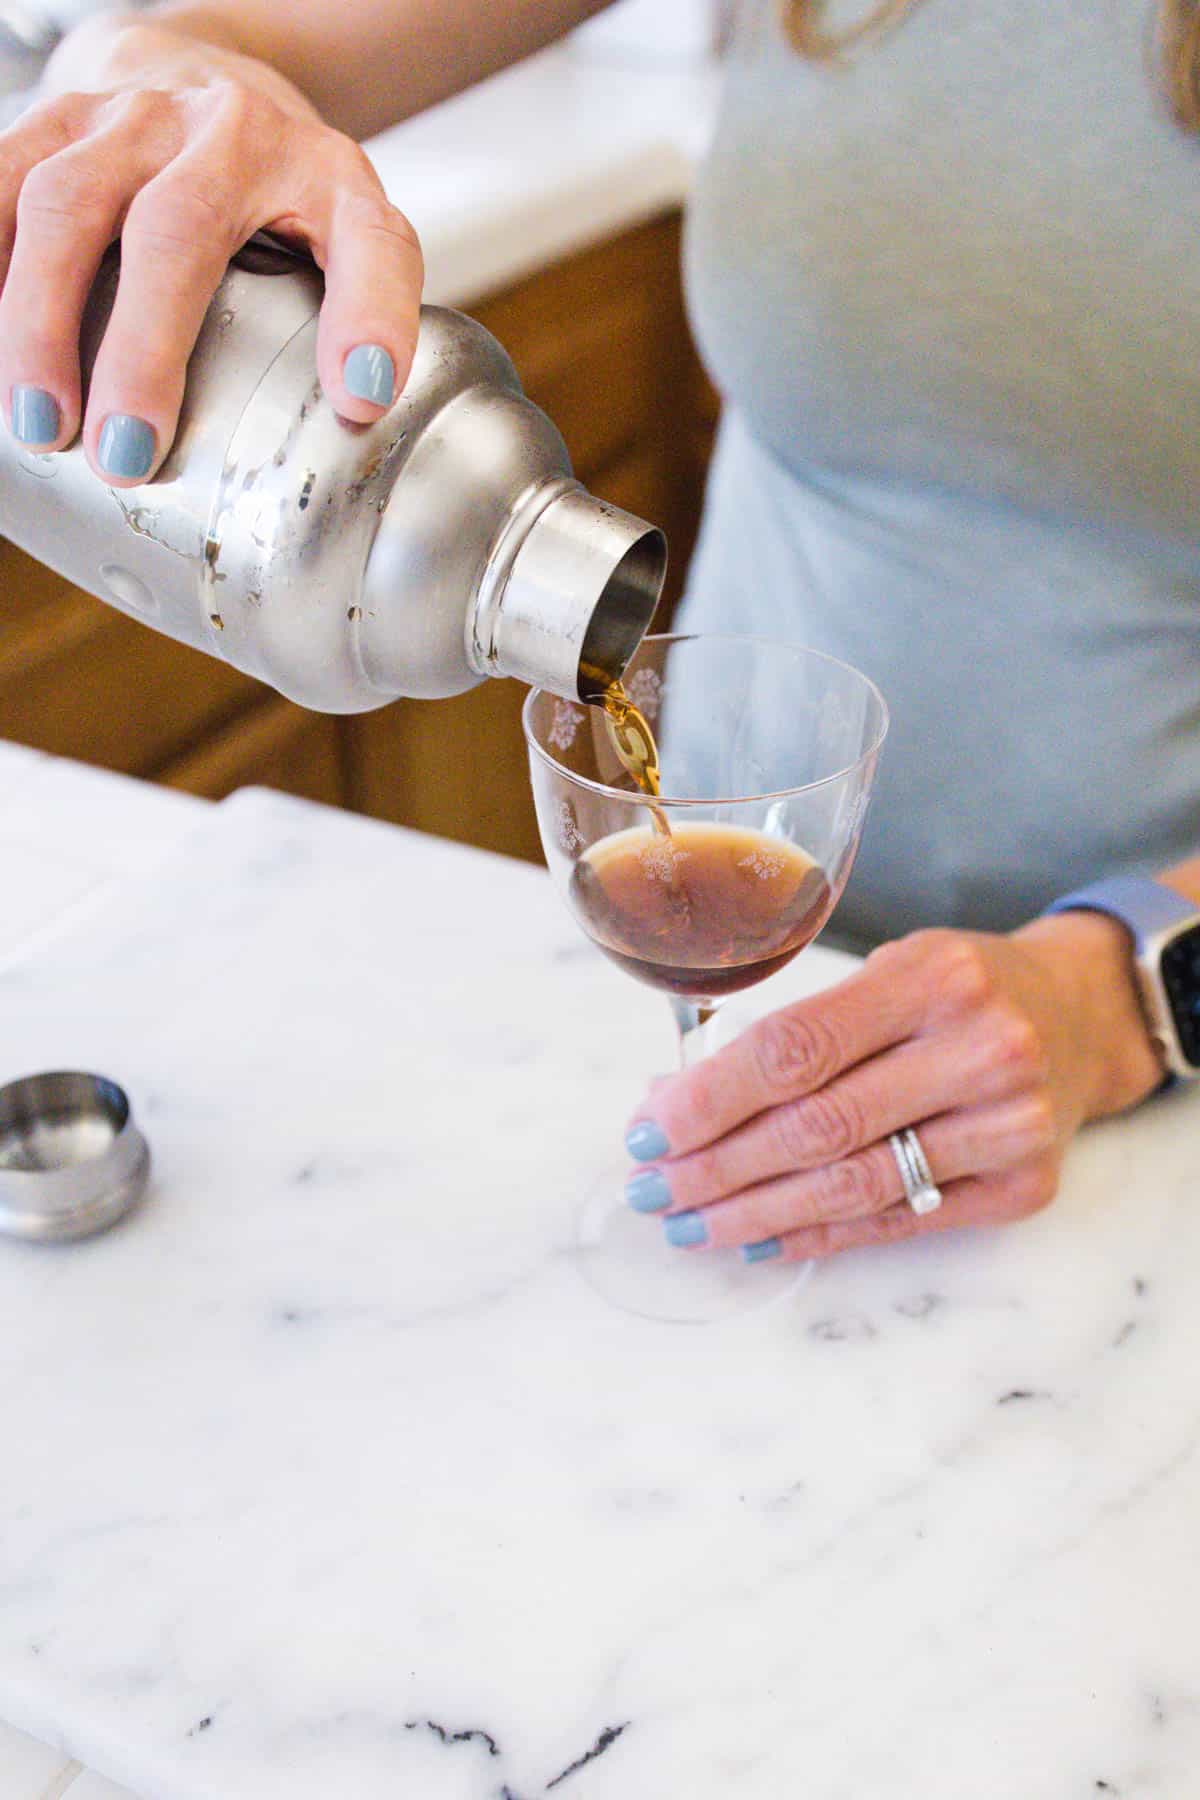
920	1189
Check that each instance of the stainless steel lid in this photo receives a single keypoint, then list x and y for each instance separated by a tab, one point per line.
72	1161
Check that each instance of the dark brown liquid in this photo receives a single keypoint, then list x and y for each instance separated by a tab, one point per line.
630	735
704	912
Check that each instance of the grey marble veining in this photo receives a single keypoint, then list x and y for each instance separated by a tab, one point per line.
325	1473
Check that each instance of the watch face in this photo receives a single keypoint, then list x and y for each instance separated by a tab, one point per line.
1180	969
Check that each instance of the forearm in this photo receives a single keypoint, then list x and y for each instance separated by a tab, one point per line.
365	64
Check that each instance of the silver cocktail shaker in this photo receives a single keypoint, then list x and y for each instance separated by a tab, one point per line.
347	565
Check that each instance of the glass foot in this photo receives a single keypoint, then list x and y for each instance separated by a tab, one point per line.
625	1258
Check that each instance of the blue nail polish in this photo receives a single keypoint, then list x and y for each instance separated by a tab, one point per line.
647	1191
761	1252
370	374
646	1140
126	446
35	415
685	1229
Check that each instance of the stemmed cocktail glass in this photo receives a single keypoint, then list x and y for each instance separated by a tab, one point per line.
767	754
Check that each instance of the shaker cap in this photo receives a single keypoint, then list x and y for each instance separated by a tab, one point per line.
72	1160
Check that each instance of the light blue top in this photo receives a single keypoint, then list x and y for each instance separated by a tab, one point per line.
951	292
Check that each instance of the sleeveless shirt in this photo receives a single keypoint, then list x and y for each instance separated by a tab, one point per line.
950	290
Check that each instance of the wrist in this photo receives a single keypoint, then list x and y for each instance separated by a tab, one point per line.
202	24
171	47
111	48
84	50
1088	959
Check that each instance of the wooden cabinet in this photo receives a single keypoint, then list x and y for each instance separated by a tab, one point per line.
601	343
276	745
82	680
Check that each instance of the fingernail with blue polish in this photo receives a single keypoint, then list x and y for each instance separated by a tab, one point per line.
647	1191
370	374
685	1229
646	1140
126	446
35	415
761	1252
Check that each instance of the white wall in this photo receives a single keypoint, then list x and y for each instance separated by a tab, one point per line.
679	29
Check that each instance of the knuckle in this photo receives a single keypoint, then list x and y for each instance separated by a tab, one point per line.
1040	1122
853	1187
960	976
64	189
139	38
242	113
1017	1051
62	113
65	105
824	1127
792	1141
391	230
398	230
374	215
705	1095
1034	1186
794	1051
140	110
352	164
186	222
896	954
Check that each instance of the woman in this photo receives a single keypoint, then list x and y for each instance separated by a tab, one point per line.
950	289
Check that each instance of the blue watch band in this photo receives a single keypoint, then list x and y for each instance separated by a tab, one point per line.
1145	906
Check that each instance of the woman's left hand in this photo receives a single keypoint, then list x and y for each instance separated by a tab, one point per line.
994	1049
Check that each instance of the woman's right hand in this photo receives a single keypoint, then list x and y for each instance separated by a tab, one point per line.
183	149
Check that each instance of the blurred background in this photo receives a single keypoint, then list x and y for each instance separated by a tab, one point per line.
589	217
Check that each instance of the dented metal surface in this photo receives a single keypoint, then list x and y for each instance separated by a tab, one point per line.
346	565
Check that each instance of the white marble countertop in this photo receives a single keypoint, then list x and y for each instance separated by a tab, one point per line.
325	1473
69	836
573	146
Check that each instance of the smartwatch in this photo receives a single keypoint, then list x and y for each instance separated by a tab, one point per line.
1166	943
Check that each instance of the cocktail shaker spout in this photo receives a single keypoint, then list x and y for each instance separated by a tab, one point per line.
574	604
348	565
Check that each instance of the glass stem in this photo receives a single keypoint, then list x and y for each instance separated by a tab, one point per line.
692	1018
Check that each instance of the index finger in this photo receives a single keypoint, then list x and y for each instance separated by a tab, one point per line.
372	312
790	1053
